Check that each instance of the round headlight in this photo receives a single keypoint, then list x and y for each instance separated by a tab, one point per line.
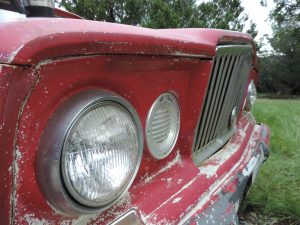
100	154
251	96
89	152
162	126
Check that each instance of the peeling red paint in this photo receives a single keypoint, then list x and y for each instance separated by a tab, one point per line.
56	37
13	89
75	55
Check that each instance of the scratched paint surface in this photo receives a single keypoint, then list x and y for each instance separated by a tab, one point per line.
183	192
13	90
63	57
34	40
162	213
57	80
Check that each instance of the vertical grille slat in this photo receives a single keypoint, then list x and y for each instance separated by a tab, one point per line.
206	103
229	100
220	105
226	88
218	99
214	99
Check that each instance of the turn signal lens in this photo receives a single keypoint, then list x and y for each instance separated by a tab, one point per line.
162	126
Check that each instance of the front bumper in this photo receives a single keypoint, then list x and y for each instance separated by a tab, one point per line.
224	209
211	196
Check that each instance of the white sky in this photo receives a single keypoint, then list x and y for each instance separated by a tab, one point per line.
259	15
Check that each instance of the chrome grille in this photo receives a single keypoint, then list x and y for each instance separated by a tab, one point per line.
225	91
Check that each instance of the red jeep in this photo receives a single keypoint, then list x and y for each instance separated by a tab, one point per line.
104	123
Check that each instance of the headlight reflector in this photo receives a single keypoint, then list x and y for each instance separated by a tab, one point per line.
162	125
251	96
100	154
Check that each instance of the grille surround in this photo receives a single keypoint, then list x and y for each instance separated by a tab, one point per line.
224	94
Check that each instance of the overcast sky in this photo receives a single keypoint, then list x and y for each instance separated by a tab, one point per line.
259	15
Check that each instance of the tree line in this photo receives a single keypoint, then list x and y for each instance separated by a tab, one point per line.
280	70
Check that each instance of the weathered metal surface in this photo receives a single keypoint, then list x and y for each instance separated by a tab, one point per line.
182	191
221	212
65	57
13	90
38	39
223	208
128	76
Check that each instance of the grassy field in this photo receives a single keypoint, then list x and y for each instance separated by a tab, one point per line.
277	189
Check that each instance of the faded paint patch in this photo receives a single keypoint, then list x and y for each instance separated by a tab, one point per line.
217	186
176	200
176	160
154	220
14	53
46	61
174	195
210	168
179	181
16	170
116	210
168	180
18	157
32	220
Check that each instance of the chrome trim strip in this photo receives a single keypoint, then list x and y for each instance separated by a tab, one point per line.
131	218
190	55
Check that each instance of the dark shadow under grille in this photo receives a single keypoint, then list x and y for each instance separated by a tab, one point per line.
225	93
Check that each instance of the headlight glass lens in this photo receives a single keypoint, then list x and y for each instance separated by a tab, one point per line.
251	96
162	126
100	154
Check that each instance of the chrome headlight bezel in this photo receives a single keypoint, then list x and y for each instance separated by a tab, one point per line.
49	154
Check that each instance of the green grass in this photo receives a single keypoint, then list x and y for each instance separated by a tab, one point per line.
277	188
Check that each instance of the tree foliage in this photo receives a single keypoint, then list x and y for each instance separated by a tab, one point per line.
116	11
281	71
170	14
223	14
253	32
